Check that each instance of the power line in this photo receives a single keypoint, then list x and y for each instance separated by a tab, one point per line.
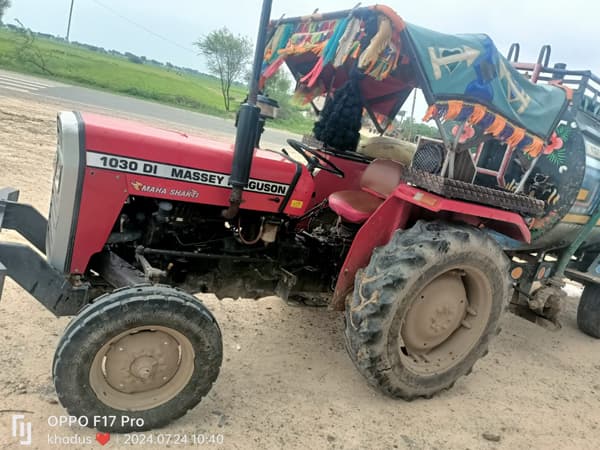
142	27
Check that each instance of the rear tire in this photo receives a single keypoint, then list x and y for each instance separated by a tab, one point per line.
145	352
588	311
424	309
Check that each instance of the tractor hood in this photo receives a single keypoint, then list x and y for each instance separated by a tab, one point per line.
158	161
102	162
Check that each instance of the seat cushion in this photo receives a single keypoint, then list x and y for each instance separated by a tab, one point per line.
382	177
354	206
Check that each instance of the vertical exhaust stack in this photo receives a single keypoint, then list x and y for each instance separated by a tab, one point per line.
247	127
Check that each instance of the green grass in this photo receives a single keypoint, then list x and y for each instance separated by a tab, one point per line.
73	64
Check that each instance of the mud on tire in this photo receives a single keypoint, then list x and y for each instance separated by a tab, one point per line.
389	289
167	316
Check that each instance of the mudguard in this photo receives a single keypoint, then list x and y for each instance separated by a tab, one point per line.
405	206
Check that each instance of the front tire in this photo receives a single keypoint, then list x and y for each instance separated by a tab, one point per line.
146	352
588	311
424	309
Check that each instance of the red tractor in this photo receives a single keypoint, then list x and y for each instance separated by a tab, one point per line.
421	252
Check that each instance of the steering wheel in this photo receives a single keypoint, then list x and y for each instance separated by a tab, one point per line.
314	159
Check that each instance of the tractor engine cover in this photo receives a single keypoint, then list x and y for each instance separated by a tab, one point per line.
103	161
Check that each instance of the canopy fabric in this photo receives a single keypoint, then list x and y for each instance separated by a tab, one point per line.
462	76
469	68
324	51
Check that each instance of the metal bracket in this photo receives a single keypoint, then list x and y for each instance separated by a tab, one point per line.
151	273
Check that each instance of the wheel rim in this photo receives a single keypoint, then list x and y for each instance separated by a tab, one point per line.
142	368
445	320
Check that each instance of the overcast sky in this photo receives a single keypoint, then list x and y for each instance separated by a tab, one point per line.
571	27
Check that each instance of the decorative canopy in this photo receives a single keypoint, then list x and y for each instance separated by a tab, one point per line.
463	77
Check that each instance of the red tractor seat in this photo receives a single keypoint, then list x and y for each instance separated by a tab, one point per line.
378	181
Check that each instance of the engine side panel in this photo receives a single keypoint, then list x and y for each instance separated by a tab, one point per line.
125	158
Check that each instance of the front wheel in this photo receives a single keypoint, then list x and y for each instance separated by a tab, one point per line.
137	359
425	307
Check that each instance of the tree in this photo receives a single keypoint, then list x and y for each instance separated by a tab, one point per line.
226	56
4	5
28	52
409	129
278	88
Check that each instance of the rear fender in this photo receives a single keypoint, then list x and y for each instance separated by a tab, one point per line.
393	214
406	205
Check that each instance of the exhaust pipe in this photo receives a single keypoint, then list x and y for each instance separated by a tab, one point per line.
247	127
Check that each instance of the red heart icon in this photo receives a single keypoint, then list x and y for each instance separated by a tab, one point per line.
103	438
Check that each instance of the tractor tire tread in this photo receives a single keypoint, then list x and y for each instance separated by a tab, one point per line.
588	311
143	297
392	268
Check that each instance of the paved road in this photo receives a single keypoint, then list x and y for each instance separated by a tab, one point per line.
15	84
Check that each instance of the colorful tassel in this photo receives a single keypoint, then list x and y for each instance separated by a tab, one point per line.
497	126
466	112
378	43
517	136
454	109
478	114
507	132
431	113
535	148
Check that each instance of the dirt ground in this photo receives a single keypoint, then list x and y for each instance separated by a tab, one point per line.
286	380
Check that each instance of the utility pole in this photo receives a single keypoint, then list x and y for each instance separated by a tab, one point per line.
70	15
412	115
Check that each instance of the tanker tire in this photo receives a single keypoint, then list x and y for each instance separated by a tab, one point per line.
111	316
385	290
588	311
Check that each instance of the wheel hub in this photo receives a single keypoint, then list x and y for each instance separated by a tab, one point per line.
436	313
141	362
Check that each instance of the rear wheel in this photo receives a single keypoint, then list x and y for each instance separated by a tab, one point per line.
588	311
425	307
148	352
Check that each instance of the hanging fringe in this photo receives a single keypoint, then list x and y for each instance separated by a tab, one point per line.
497	126
378	43
507	132
454	109
430	114
487	120
535	148
490	122
346	42
516	137
478	114
465	113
